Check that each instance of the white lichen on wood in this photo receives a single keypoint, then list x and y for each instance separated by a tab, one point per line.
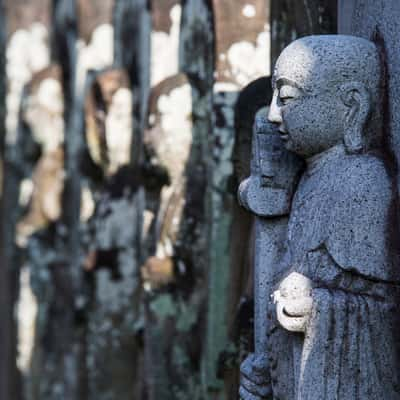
27	53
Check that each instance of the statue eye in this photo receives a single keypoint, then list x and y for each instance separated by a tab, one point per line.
285	100
287	93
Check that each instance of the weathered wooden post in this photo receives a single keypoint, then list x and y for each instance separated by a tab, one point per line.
113	315
68	267
175	159
27	53
132	47
114	104
7	348
241	32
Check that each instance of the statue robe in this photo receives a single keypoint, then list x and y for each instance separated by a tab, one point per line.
340	236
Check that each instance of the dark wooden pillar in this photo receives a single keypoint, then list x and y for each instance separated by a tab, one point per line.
132	32
240	33
292	18
7	361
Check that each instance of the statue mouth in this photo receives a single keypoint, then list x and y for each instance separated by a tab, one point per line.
283	134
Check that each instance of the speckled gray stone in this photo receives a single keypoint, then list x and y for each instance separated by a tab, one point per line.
332	313
266	193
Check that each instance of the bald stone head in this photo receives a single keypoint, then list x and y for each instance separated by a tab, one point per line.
325	90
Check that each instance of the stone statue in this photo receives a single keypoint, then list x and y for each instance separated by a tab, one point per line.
267	193
332	329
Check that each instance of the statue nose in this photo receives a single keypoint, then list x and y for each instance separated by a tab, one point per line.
274	114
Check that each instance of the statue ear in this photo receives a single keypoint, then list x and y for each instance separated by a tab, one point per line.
356	97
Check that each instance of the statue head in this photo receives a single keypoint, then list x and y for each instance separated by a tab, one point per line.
326	92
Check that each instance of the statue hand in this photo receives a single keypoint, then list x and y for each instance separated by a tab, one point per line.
254	378
294	302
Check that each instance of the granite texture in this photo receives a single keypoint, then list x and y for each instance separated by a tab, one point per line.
332	307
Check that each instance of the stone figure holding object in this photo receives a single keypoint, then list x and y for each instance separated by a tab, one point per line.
267	193
333	319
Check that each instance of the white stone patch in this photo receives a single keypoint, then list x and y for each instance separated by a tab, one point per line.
165	247
50	96
249	11
165	49
148	218
97	54
173	150
27	311
226	87
25	192
248	61
27	53
44	114
119	129
87	204
152	119
175	110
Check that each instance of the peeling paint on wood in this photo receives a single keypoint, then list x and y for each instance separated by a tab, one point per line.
165	39
114	319
172	308
233	48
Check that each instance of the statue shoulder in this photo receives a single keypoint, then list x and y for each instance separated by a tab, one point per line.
363	177
359	220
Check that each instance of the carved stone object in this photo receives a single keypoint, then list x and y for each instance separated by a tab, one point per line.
267	193
332	317
274	171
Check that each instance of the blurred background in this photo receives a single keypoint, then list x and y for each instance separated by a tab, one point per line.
125	130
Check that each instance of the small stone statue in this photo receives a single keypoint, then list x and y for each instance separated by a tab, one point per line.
332	318
267	193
